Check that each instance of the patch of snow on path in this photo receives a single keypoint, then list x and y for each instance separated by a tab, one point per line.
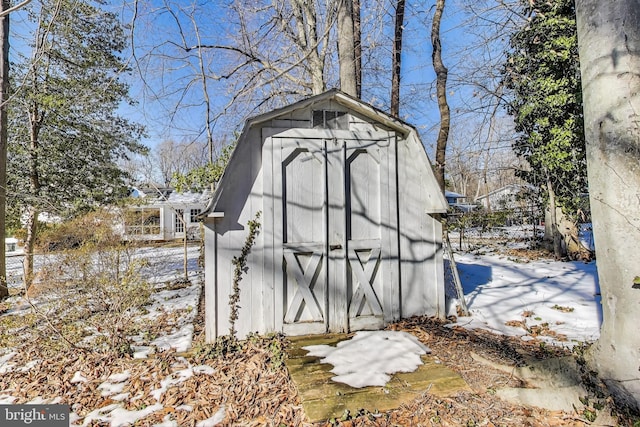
370	357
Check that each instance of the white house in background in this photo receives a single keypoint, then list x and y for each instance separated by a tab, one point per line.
165	215
348	241
507	197
457	201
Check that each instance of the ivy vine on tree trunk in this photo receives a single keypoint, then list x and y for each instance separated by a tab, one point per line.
542	77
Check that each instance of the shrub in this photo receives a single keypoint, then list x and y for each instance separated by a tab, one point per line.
104	277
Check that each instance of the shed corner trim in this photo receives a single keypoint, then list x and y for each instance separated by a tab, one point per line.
216	215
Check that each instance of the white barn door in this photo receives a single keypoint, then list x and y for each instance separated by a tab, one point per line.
335	240
371	220
300	221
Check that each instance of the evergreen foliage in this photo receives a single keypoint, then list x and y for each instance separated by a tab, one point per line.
201	178
543	75
66	136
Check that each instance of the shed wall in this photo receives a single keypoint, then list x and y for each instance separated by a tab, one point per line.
422	273
224	239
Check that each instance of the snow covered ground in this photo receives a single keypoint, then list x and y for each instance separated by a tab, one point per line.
501	292
557	302
507	293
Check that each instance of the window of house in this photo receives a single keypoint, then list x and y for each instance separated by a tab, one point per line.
193	215
142	221
179	222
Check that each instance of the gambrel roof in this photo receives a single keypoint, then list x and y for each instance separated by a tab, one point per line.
436	204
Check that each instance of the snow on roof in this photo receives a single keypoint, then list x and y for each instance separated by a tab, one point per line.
448	193
187	198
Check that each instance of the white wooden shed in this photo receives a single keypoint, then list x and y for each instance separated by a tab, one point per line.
348	238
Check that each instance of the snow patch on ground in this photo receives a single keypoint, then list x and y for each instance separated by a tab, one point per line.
5	399
173	379
5	366
564	296
371	357
78	378
116	416
180	340
216	419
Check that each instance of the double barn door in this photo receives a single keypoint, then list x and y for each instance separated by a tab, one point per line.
334	230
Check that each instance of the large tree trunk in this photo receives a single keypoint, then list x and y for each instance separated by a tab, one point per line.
554	227
441	91
609	43
308	40
397	59
34	187
357	40
4	89
346	48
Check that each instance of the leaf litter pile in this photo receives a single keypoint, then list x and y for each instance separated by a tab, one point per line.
243	383
251	387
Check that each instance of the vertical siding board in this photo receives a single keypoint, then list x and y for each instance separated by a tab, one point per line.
268	286
393	230
256	255
224	279
337	243
210	288
386	231
278	236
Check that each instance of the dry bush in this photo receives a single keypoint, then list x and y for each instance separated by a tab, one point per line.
98	272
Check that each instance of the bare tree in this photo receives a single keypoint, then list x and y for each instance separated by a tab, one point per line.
171	158
397	58
480	159
254	58
357	39
4	95
201	73
346	48
474	87
441	90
